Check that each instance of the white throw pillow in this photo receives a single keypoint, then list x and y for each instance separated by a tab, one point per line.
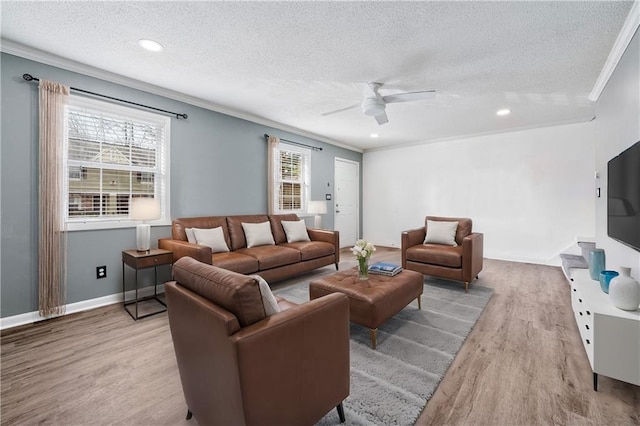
258	234
440	232
212	237
191	237
268	299
296	230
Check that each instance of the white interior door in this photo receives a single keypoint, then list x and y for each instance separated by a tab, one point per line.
346	202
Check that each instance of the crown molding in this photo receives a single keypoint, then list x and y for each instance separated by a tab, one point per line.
622	42
577	120
27	52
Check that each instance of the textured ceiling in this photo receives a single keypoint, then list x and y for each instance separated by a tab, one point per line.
288	62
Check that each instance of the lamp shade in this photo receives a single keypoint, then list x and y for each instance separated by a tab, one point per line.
317	207
144	209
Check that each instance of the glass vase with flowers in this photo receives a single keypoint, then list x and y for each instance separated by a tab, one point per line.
363	251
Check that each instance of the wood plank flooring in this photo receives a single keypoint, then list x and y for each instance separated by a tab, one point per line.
523	364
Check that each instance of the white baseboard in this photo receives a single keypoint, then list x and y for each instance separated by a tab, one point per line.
518	260
72	308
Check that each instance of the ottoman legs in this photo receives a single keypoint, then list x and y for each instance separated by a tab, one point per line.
374	331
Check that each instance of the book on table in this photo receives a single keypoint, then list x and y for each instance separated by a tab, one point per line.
384	268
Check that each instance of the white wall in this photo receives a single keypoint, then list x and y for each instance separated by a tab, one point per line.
530	192
617	127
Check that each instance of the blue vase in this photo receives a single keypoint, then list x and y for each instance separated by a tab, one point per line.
596	263
605	278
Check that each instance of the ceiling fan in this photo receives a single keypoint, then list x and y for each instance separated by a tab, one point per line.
374	104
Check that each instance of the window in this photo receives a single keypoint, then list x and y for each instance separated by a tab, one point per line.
292	177
77	173
113	154
145	178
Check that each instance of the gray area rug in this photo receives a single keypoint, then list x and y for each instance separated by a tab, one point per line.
392	384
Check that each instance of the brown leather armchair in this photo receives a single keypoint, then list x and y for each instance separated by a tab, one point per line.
460	263
240	367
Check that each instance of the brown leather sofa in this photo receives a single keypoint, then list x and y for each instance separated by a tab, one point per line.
460	263
272	262
240	367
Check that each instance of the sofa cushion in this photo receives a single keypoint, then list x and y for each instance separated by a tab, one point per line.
436	254
236	232
464	226
276	226
234	292
271	256
258	234
441	232
178	226
191	237
236	262
212	237
295	230
268	299
311	249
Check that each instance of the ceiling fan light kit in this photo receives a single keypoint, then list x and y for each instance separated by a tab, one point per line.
373	107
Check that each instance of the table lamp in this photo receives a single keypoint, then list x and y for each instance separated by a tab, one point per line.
317	208
144	209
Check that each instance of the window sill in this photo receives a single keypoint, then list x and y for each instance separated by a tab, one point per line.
116	224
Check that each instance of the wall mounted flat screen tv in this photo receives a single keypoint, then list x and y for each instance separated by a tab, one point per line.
623	197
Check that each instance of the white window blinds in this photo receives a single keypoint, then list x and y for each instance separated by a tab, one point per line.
292	175
113	154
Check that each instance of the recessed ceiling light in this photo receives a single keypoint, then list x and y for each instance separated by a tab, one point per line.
373	135
152	46
504	112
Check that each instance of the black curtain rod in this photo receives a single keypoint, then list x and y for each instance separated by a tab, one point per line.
29	77
315	148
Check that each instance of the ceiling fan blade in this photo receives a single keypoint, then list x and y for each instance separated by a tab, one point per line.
340	110
382	118
410	96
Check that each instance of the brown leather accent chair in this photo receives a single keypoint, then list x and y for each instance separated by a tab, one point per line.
239	366
460	263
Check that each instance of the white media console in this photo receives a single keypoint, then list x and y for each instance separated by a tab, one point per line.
611	336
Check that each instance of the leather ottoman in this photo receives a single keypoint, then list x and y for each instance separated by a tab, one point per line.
374	301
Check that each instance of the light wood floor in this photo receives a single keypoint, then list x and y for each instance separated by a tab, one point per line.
523	364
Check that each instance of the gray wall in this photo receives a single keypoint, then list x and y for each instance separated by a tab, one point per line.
218	167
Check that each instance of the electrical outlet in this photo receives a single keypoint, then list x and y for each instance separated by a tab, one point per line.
101	271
